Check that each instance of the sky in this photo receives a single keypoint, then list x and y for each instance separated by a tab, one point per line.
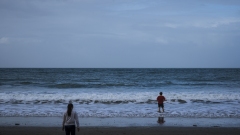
119	33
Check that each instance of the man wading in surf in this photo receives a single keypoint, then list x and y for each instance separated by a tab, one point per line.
160	100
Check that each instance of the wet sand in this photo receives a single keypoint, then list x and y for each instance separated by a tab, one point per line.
13	130
122	122
122	126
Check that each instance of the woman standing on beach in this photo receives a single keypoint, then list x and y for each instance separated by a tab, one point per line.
69	120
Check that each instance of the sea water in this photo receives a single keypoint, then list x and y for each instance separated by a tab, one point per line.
104	93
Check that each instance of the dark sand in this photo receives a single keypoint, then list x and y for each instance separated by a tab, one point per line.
15	130
122	122
121	126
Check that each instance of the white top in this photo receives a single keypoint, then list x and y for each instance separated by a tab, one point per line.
70	120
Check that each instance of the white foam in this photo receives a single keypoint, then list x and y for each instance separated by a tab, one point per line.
133	104
122	110
125	96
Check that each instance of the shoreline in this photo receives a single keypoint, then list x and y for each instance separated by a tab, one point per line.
122	122
122	131
121	126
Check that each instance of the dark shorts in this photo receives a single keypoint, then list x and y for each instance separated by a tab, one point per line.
160	105
70	130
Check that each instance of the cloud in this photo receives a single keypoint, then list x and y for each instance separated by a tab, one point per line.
211	23
20	41
171	25
4	40
118	33
161	41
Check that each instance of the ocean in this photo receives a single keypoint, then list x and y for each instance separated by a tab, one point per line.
123	92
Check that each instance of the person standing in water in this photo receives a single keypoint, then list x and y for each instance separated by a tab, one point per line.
160	100
69	120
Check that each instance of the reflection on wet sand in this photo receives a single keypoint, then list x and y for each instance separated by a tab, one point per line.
160	120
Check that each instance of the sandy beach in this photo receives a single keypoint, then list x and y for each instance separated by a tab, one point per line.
121	131
121	126
122	122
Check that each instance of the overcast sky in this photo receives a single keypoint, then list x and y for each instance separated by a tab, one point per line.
120	33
